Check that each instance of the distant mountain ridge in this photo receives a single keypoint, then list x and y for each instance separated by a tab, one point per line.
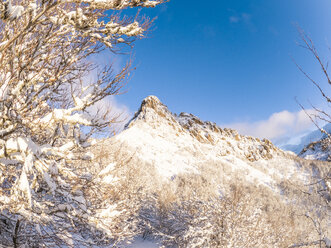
320	150
311	140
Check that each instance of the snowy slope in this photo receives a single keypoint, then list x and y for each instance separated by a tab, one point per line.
183	143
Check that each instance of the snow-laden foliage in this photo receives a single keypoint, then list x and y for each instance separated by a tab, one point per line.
46	119
235	220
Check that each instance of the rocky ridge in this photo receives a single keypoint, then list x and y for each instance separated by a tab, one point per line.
175	144
153	112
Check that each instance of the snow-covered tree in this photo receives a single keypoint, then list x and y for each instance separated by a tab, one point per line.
47	195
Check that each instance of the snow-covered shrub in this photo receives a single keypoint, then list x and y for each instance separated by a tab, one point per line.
48	195
235	220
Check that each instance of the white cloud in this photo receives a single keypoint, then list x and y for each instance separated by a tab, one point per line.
277	126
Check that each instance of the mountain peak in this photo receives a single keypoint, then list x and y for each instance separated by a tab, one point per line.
151	110
151	102
153	121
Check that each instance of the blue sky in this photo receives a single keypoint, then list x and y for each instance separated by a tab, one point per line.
230	61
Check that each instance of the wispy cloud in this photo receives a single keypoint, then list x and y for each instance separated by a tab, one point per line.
234	19
242	17
278	125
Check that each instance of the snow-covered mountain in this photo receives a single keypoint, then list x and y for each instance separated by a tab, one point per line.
320	150
297	144
183	143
